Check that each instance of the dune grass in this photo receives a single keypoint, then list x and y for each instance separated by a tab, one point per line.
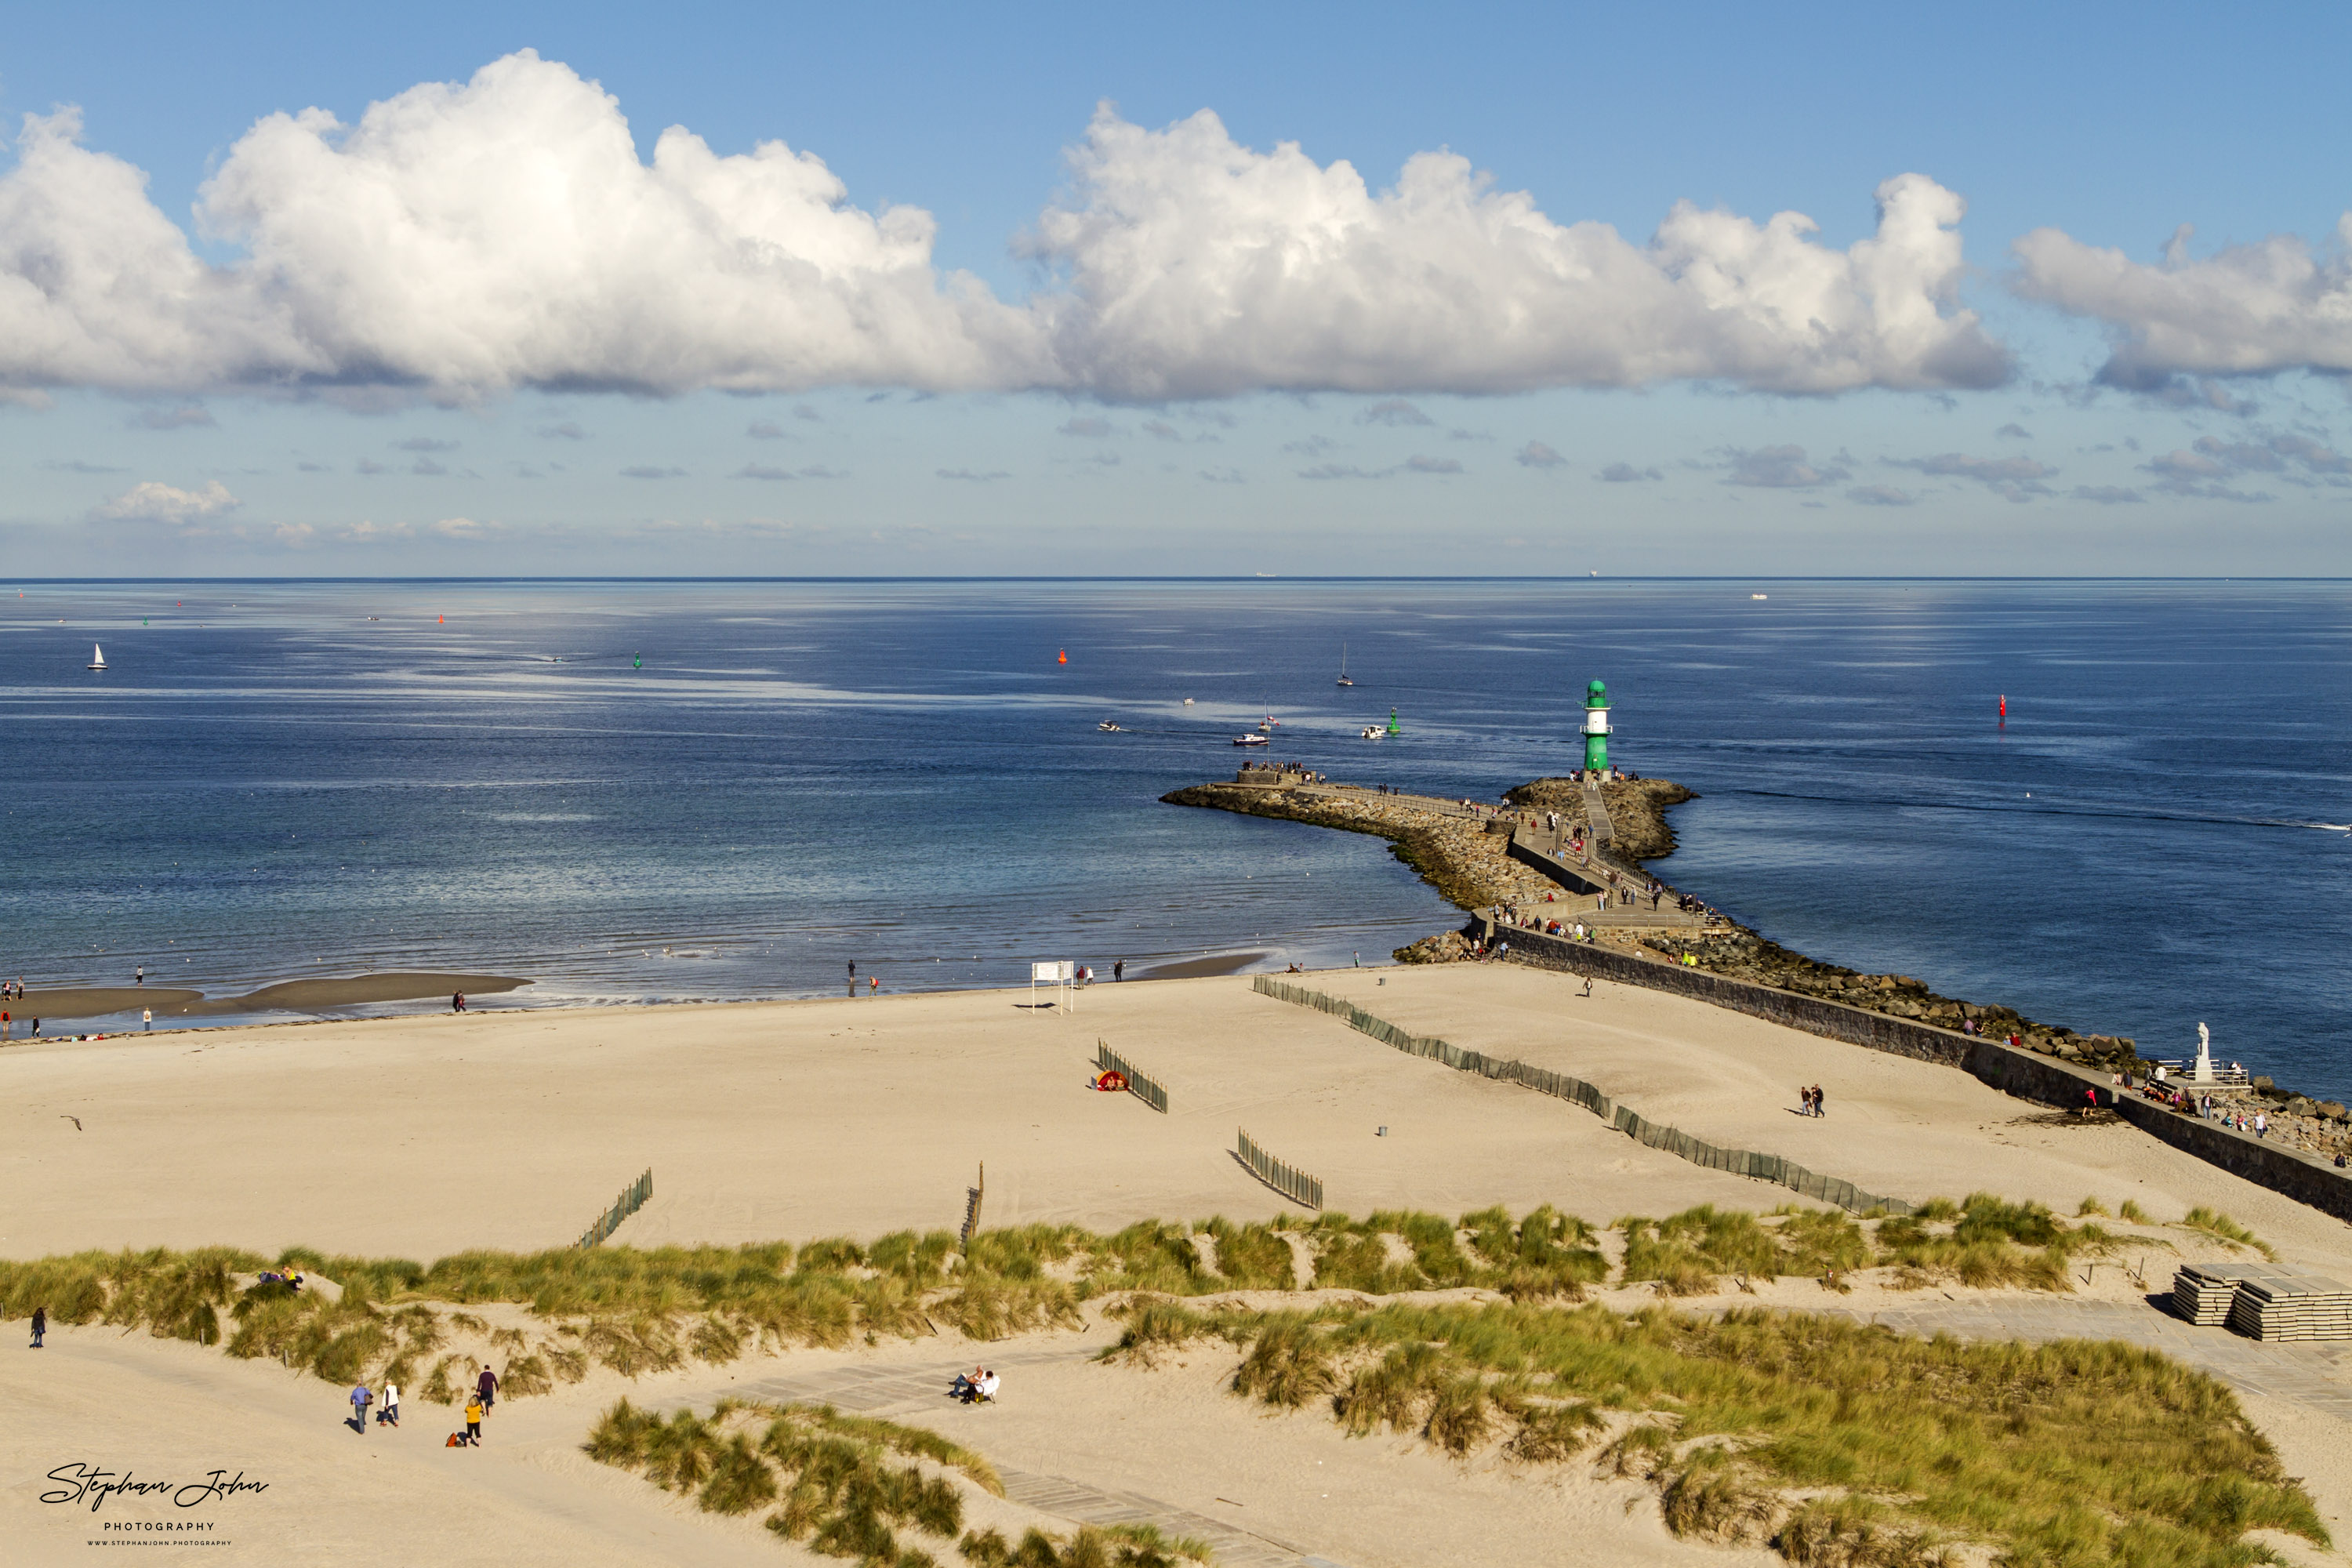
830	1483
828	1475
2064	1453
639	1311
1687	1254
2214	1223
1094	1546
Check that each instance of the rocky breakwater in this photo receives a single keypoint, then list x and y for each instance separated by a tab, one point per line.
1455	853
1637	811
1471	866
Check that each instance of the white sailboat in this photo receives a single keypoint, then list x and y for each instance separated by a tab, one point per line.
1343	665
96	657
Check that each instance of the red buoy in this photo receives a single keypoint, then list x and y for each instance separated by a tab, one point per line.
1066	657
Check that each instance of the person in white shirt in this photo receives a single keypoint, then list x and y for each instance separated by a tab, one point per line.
388	1412
988	1385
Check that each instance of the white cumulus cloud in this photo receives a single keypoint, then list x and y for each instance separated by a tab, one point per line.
152	500
1197	267
476	236
2249	309
464	239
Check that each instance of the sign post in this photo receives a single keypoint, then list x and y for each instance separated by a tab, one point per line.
1060	973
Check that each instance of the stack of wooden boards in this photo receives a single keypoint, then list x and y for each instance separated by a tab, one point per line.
2263	1301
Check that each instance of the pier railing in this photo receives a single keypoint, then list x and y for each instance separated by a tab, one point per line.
1139	1084
1773	1168
633	1198
1288	1180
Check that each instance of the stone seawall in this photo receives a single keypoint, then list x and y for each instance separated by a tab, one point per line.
2019	1073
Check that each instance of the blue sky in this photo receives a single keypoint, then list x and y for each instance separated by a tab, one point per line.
497	326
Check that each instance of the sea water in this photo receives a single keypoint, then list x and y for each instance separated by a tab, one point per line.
631	791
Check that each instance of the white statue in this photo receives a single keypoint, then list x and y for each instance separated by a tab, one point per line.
2204	1073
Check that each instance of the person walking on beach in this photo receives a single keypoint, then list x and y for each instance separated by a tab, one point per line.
474	1422
486	1387
139	977
1118	970
40	1325
361	1397
389	1415
1817	1108
147	1018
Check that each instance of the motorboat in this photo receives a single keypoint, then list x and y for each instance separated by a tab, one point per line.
1375	732
1188	703
1107	727
1269	724
1252	741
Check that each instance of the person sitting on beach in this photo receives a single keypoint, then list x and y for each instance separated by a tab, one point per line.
966	1387
988	1385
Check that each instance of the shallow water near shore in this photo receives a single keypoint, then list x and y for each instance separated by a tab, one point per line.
269	784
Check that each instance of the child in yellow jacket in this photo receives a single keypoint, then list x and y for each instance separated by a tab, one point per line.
473	1421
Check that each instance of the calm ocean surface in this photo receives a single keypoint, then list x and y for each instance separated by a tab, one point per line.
267	783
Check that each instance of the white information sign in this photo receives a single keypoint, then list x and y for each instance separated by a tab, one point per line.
1062	972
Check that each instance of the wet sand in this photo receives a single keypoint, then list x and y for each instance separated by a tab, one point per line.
320	995
1200	968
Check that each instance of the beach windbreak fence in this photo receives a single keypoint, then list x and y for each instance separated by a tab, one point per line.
1288	1180
1142	1086
633	1198
1747	1163
973	1198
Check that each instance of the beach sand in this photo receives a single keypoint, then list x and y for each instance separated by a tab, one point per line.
422	1136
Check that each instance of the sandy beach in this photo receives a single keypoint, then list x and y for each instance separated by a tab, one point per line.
422	1137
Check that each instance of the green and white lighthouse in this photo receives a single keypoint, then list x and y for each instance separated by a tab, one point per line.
1596	727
